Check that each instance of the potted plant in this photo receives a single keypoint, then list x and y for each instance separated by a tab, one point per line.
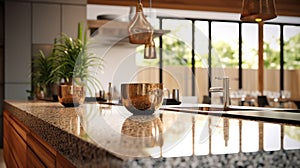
73	62
42	77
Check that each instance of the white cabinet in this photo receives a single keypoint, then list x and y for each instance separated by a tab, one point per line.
71	16
17	48
49	20
45	23
17	90
31	25
17	42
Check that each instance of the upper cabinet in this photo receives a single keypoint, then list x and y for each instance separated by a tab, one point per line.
17	42
49	20
46	22
30	26
284	7
71	16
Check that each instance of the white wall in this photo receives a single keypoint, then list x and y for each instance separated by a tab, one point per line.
119	57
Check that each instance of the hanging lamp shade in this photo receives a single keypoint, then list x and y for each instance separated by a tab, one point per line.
150	51
258	10
140	29
141	32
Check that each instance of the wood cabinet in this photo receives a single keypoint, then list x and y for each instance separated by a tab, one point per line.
33	160
23	148
45	22
14	143
46	156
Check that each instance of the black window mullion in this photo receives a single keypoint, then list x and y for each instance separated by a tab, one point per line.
281	59
160	53
209	56
240	58
193	58
240	75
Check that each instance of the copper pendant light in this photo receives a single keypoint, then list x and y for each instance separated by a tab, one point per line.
258	10
150	51
141	32
139	28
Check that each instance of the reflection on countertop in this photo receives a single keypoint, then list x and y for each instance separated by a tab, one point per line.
96	128
170	134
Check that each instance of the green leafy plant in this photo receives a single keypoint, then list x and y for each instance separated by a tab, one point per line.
42	77
43	67
70	61
69	52
74	61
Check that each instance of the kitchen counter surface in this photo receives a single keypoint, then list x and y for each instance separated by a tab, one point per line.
94	135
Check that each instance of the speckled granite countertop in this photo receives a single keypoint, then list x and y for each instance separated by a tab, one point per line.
94	135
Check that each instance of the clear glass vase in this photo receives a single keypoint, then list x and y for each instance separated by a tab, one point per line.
71	94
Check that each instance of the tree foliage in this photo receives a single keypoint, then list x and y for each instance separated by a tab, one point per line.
228	56
271	57
292	52
176	52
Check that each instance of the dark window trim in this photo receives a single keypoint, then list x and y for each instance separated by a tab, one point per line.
240	69
281	59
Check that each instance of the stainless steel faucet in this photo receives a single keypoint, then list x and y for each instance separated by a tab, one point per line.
224	89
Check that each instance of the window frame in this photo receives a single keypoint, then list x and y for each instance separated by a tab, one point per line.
240	69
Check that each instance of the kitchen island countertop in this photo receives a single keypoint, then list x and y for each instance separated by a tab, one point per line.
97	135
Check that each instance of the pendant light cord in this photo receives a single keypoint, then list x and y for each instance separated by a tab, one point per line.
150	9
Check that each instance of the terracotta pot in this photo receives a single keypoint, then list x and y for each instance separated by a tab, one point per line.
70	95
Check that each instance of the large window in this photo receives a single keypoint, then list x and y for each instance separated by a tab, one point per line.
249	47
271	60
223	48
225	43
291	36
272	46
197	50
201	58
177	55
291	51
